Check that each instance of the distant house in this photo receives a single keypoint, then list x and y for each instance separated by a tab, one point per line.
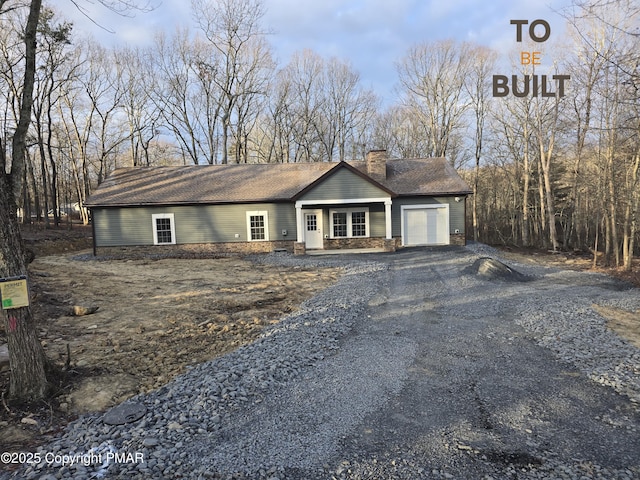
376	203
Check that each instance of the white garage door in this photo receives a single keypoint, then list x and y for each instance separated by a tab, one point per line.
425	225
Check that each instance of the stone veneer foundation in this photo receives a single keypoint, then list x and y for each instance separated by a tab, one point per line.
297	248
195	249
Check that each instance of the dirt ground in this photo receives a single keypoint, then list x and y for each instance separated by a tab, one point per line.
156	317
153	319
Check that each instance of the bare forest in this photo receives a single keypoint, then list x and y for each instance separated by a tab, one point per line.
559	173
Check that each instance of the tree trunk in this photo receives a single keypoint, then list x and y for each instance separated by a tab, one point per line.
550	208
634	229
43	170
526	235
225	133
595	245
546	193
631	216
26	356
611	200
31	177
20	136
28	380
474	205
542	209
626	239
54	171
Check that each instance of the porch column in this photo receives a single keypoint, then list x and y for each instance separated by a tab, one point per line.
387	218
298	223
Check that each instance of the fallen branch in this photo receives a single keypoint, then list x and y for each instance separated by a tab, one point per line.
67	364
4	403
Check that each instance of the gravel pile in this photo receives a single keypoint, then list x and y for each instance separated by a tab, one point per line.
275	409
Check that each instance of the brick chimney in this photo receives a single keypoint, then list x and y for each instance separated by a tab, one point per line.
377	165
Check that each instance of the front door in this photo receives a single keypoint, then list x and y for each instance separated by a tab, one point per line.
313	229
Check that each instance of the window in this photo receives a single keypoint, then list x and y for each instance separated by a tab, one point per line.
257	226
358	224
339	224
164	229
312	222
348	223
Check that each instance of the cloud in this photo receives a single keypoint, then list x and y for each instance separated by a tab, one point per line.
133	27
371	34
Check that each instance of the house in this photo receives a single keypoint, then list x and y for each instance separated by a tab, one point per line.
376	203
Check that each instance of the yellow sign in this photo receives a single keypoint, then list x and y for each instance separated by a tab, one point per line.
14	293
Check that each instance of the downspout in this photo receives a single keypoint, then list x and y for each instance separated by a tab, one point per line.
466	225
93	233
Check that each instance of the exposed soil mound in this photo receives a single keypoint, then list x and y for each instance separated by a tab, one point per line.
492	269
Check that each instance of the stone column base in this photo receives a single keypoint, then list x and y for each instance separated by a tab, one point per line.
457	239
390	245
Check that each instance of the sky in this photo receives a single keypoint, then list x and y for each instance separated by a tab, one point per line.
370	34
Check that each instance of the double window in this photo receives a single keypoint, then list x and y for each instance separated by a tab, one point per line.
257	226
349	222
164	229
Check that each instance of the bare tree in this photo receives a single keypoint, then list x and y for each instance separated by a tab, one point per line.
254	82
274	126
186	95
173	94
242	58
26	357
607	40
103	87
55	38
304	74
432	77
587	66
478	88
75	118
346	109
401	131
511	147
620	19
11	83
143	116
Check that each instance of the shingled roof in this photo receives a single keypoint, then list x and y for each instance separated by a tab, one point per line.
252	183
421	176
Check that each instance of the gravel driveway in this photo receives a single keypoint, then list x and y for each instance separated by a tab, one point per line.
408	368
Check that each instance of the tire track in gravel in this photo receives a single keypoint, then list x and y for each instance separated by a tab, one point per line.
482	399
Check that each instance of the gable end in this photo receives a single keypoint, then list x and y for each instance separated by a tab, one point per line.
341	166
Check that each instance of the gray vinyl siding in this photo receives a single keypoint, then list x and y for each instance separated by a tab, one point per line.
121	227
344	184
456	211
377	225
193	224
326	222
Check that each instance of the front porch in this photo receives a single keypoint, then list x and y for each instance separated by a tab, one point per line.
361	224
361	245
